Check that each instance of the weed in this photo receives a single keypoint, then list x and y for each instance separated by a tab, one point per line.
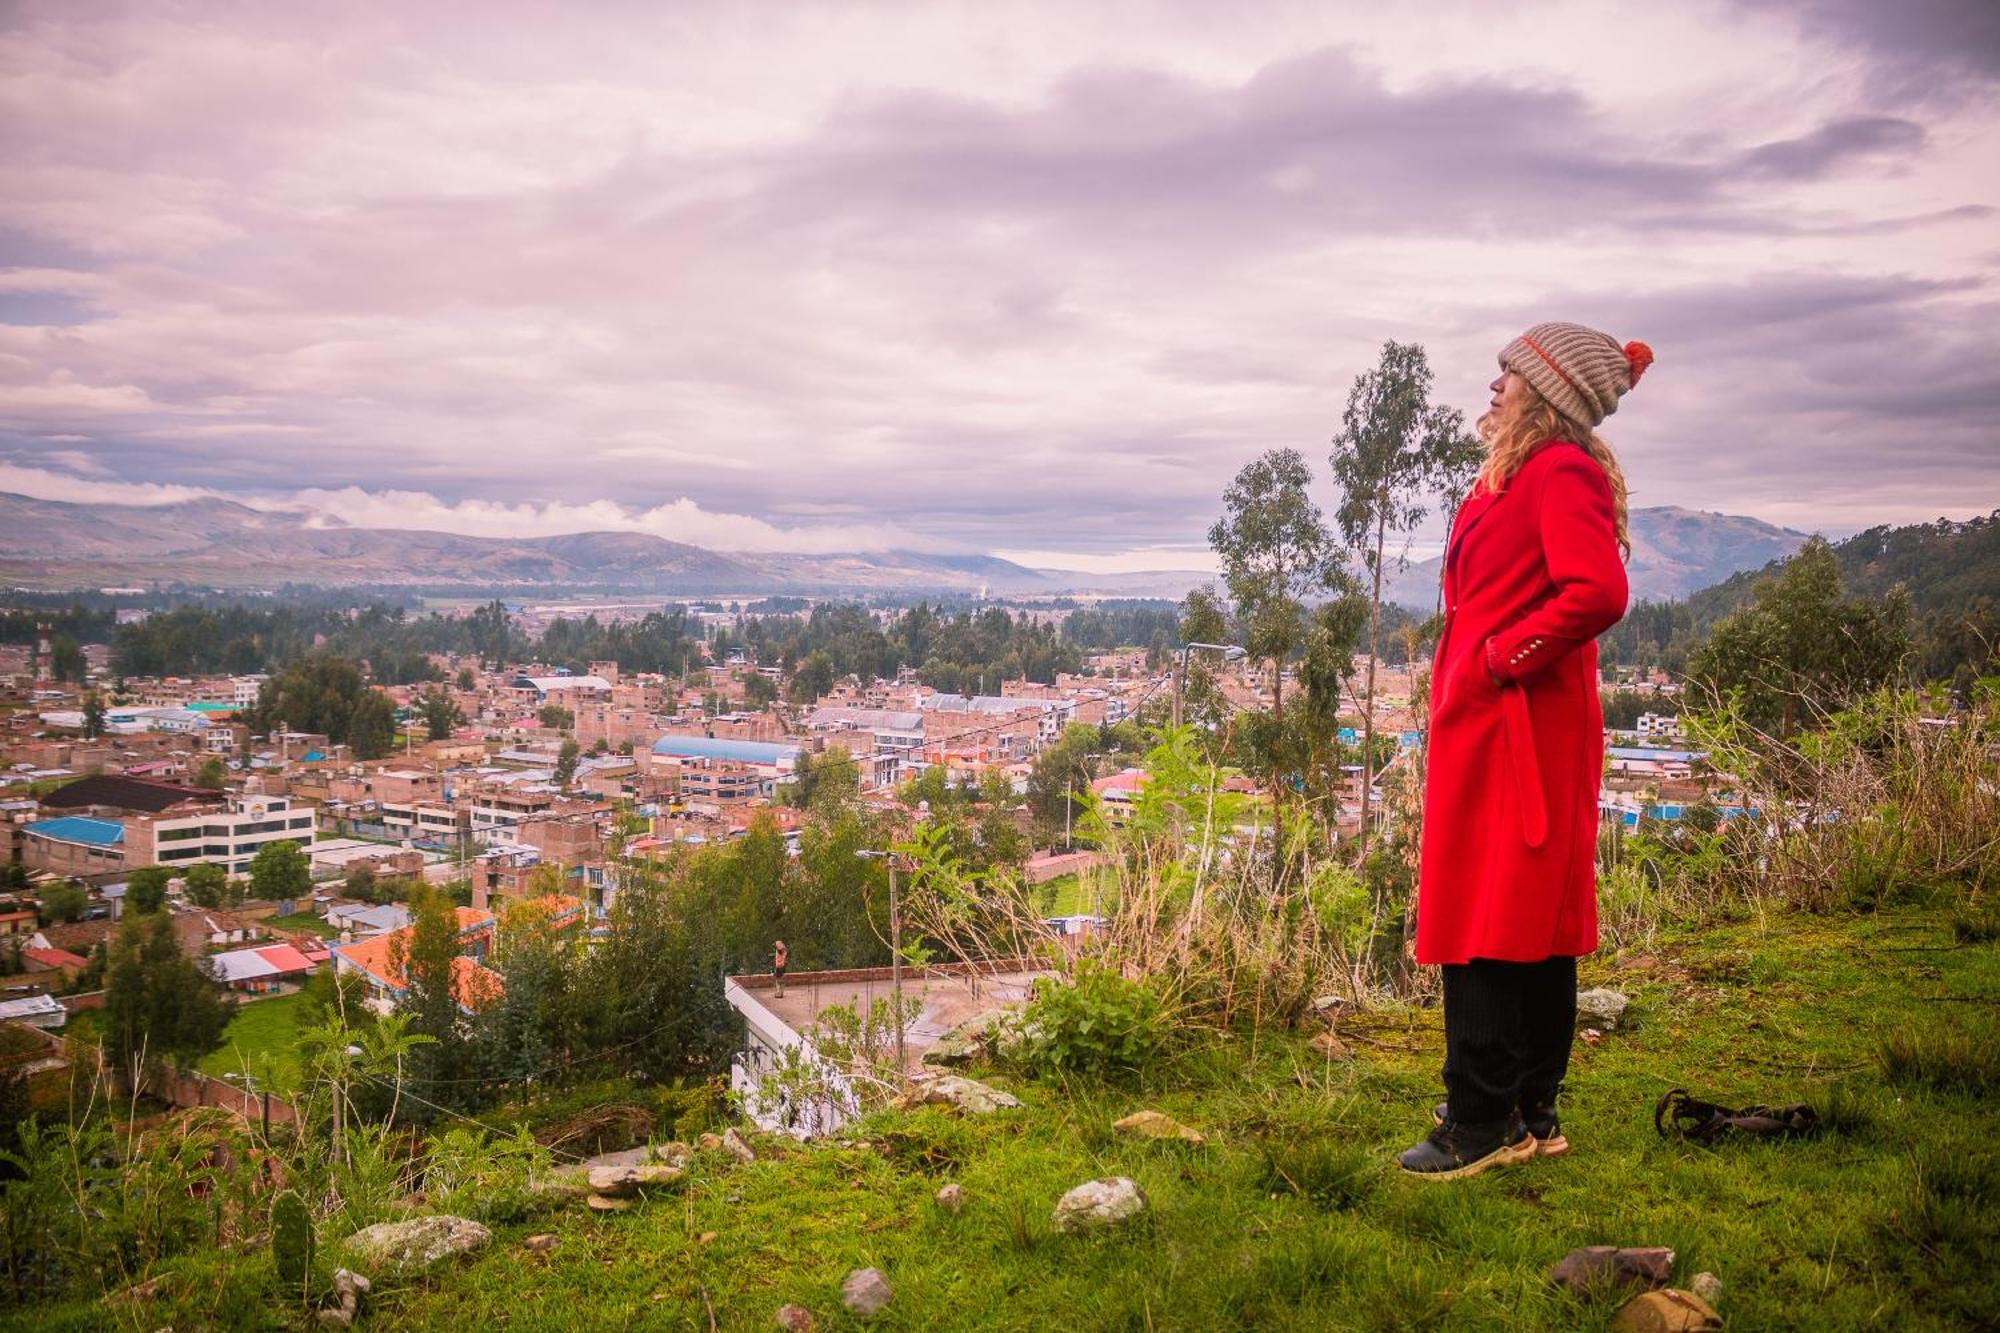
1333	1174
1976	923
1947	1059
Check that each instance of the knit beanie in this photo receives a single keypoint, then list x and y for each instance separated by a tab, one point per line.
1580	371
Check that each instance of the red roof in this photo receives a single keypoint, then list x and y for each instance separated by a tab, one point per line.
54	958
285	958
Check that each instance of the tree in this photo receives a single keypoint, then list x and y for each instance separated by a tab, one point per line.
1393	443
371	727
93	715
209	885
159	1004
566	762
1061	775
66	660
466	680
428	960
280	872
555	717
360	884
1276	551
758	691
1802	647
212	774
820	781
813	678
1202	620
61	902
146	889
440	712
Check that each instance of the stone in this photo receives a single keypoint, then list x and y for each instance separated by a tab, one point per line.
605	1203
1600	1008
794	1319
1666	1311
673	1154
1707	1286
964	1042
1641	1266
614	1182
964	1094
348	1289
1325	1004
417	1242
738	1147
1157	1125
951	1198
1332	1047
1097	1204
865	1292
541	1244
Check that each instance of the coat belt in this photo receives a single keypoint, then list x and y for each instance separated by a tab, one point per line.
1526	766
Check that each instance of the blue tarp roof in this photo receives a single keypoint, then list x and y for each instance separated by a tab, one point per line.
79	828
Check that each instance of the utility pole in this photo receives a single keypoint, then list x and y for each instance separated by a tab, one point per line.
895	948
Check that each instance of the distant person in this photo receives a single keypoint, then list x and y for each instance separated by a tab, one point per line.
1507	890
778	967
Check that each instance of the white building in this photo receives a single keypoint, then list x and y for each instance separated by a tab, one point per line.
230	837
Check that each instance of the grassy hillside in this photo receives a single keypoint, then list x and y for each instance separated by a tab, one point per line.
1291	1217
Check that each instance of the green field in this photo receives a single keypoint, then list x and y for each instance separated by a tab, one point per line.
259	1028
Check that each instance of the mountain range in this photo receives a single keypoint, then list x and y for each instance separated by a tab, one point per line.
223	544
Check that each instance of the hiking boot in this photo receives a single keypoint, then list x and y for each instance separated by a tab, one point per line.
1539	1114
1540	1118
1459	1149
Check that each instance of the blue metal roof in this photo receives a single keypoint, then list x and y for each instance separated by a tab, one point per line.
710	747
79	828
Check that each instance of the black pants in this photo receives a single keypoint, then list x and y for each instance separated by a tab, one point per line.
1507	1032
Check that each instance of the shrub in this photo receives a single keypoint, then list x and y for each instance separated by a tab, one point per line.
1098	1023
291	1240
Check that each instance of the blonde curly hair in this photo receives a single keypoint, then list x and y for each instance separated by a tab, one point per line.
1510	440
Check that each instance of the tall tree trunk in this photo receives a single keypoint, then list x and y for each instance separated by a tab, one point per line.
1368	704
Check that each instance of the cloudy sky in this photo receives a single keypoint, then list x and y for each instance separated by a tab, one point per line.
1032	279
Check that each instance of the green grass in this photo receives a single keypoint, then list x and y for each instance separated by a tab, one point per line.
297	921
1292	1216
258	1028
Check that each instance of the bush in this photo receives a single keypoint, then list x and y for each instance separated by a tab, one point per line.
1098	1023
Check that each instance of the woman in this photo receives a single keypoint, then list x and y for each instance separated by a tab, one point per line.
1507	891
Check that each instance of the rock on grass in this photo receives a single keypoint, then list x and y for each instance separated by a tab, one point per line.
865	1292
1157	1125
1097	1204
417	1242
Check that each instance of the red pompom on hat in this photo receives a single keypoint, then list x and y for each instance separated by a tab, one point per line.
1638	356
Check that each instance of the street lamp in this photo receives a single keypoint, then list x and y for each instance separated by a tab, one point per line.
895	947
1230	653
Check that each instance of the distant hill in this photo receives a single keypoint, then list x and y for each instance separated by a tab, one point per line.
1675	552
217	543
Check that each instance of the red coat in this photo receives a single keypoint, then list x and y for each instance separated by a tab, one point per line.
1532	576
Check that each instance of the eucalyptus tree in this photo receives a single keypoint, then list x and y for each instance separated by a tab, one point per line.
1277	554
1394	445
